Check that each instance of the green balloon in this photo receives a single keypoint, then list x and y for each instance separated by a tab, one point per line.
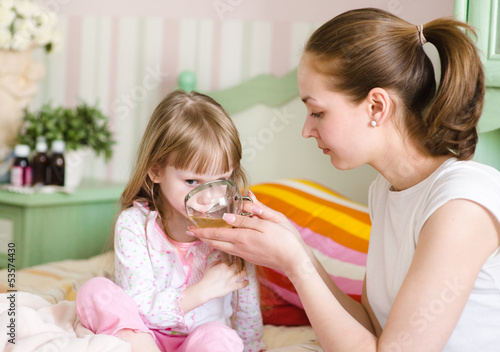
187	81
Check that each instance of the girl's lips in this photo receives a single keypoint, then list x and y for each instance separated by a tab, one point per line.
325	150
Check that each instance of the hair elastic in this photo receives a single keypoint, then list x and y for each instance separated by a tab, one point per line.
420	32
432	53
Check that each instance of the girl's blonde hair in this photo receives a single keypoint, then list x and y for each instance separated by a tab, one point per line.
187	131
367	48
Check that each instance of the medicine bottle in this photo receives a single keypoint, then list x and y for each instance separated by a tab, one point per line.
56	164
21	171
40	163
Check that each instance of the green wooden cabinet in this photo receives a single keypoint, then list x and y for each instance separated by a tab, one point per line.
57	226
484	16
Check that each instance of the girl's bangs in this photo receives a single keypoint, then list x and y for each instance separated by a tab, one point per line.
205	156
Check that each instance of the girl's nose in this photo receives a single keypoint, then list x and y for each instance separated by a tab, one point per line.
211	195
204	198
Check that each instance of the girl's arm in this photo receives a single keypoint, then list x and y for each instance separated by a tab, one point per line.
147	283
453	245
161	305
134	272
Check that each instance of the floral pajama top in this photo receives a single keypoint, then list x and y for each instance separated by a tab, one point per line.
155	270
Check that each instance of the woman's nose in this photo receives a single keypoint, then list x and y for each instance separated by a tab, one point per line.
308	130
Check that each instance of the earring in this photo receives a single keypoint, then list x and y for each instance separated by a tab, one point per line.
373	123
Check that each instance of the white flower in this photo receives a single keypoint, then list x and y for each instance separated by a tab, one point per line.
25	8
20	42
27	24
6	16
7	4
43	37
24	28
5	38
56	40
44	18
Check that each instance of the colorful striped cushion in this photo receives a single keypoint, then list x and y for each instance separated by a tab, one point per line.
335	227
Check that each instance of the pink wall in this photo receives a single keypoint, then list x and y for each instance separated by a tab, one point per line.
276	10
126	54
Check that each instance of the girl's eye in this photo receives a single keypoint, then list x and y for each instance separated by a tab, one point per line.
315	114
191	182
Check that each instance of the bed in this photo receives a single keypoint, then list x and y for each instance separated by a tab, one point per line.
39	308
42	300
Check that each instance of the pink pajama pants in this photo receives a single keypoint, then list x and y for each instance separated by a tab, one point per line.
104	308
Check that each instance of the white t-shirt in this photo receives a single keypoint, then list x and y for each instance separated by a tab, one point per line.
397	219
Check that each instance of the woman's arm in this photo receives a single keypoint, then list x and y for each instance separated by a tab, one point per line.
454	244
353	307
358	311
282	242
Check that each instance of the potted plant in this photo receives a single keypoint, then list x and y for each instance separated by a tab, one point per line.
83	128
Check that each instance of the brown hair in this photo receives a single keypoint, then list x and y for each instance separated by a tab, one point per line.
187	131
367	48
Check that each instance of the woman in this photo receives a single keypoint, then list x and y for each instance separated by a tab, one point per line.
433	267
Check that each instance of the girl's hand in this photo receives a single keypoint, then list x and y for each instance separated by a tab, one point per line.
221	278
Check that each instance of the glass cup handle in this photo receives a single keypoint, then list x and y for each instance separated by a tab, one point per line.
246	198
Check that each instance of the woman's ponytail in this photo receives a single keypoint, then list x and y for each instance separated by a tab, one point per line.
453	115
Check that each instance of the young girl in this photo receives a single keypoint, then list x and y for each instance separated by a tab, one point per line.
433	266
172	288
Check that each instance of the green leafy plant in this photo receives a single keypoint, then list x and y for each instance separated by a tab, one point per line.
84	125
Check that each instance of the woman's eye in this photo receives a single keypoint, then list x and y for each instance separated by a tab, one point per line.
315	114
191	182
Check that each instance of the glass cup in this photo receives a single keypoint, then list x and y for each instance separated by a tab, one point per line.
206	203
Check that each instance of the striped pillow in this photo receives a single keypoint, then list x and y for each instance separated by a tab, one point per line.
335	227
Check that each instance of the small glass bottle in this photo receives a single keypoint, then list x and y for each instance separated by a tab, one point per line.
21	169
56	165
40	163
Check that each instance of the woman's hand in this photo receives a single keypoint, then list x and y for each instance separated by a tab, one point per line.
264	212
266	238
